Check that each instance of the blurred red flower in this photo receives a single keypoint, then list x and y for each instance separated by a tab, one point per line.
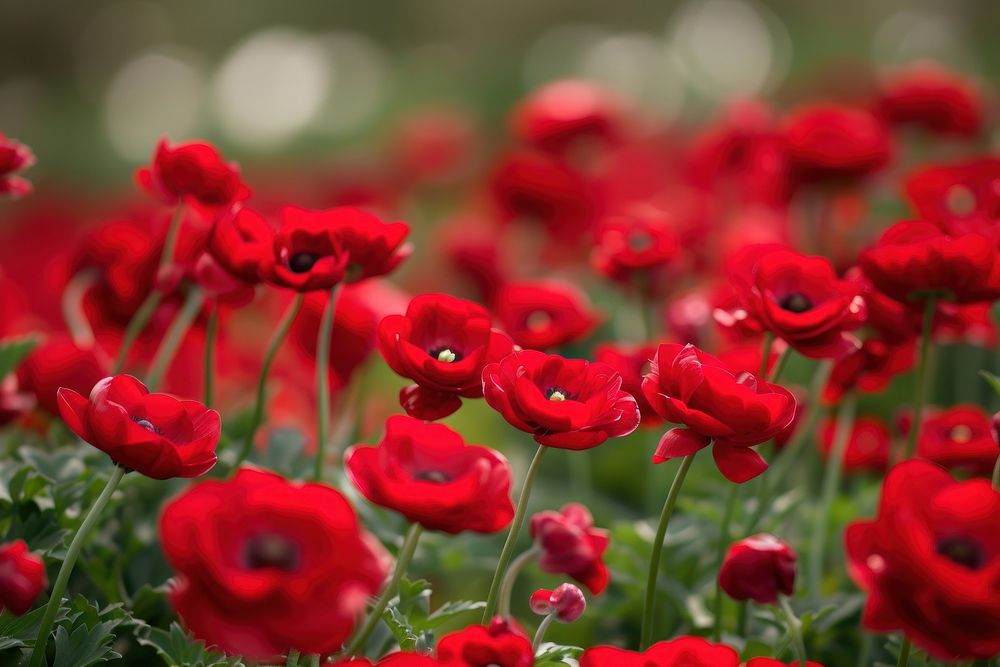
679	652
960	196
958	438
561	115
632	363
544	314
572	546
193	169
59	362
758	568
14	157
832	143
503	643
635	248
938	100
241	238
868	446
870	368
22	577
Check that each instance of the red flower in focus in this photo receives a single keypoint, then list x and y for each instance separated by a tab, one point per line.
634	249
59	362
427	473
914	259
870	368
734	411
14	157
442	343
265	565
572	546
22	577
680	652
154	434
798	298
830	143
193	169
560	115
241	238
933	98
631	362
960	197
930	562
758	568
501	644
566	602
868	447
564	403
958	438
543	314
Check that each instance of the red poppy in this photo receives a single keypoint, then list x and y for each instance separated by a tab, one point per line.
397	659
828	142
930	562
241	238
59	362
867	448
631	362
960	196
442	344
14	157
155	434
758	568
894	321
958	438
22	577
734	411
635	248
566	602
572	546
933	98
544	314
501	644
427	473
561	114
870	368
194	169
680	652
564	403
266	565
219	284
913	259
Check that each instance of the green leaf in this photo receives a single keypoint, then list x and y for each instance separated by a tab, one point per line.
14	350
450	610
406	635
554	653
18	631
85	645
176	647
991	379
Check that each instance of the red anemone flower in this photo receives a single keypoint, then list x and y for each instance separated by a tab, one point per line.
933	98
679	652
22	577
14	157
958	438
500	644
868	445
572	546
541	315
830	143
758	568
194	169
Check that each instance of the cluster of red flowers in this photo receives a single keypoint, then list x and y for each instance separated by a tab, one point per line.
744	240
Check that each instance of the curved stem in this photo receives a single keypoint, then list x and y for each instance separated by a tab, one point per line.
402	562
173	337
507	584
515	528
540	632
72	307
208	365
272	350
323	382
904	653
62	579
794	629
920	386
654	559
780	364
720	553
831	482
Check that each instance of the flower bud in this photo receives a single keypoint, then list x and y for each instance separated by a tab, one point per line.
566	602
758	568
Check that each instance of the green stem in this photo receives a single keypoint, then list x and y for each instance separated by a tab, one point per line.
515	527
72	307
996	474
173	337
920	390
720	553
62	579
293	659
904	653
780	364
864	655
211	333
507	584
323	382
654	559
540	632
402	562
272	350
794	629
831	483
743	618
765	353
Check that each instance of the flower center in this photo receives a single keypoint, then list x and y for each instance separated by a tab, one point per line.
433	476
302	262
538	320
796	302
960	200
445	354
961	434
962	550
639	240
556	394
271	550
146	424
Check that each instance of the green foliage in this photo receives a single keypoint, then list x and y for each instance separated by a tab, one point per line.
13	351
176	647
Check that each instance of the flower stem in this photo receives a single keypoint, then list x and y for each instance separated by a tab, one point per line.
743	618
996	474
72	307
515	528
831	482
211	333
540	632
323	381
272	350
654	560
720	553
507	584
794	629
920	390
402	562
173	337
62	579
293	659
904	653
765	353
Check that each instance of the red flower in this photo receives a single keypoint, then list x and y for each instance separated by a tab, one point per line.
868	447
828	142
566	602
960	197
397	659
14	157
265	565
958	438
22	577
572	546
564	403
735	411
544	314
434	146
930	562
221	285
758	568
634	249
194	169
241	239
680	652
427	473
502	644
155	434
560	114
631	362
913	259
938	100
799	299
442	344
59	362
870	368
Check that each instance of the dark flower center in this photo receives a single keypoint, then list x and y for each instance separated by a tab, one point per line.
538	320
435	476
556	394
445	354
962	550
960	434
271	550
639	241
302	262
796	302
146	424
